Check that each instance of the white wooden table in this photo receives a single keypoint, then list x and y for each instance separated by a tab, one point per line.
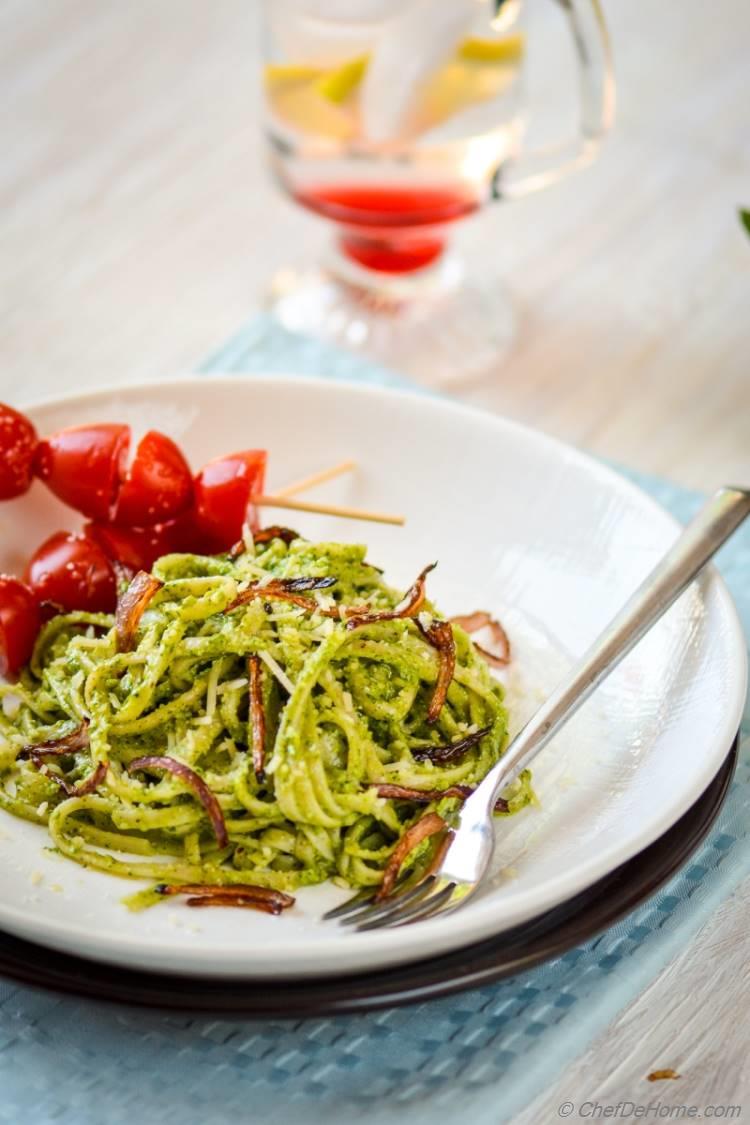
137	230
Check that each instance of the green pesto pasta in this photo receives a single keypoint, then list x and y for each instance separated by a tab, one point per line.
344	711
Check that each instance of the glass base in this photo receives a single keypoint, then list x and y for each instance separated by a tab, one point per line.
439	325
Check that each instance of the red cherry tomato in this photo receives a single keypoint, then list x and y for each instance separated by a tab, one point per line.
158	485
18	442
222	495
185	534
84	465
73	572
138	548
20	621
134	547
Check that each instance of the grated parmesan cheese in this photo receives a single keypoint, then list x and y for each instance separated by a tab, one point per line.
253	568
324	630
11	704
233	685
247	539
277	670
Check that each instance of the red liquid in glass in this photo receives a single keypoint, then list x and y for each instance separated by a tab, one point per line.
386	227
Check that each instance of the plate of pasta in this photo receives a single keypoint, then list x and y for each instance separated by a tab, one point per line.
215	725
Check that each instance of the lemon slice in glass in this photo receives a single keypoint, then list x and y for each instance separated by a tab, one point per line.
308	112
508	49
482	70
288	74
337	85
310	99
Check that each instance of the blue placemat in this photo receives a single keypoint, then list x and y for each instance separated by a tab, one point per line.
479	1057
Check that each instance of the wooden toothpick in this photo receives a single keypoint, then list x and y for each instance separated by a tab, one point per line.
326	509
316	478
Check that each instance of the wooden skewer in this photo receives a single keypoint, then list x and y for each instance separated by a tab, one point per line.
281	499
316	478
326	509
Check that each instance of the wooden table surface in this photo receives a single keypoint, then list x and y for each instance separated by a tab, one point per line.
137	230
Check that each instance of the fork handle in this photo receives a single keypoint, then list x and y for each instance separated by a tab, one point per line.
701	539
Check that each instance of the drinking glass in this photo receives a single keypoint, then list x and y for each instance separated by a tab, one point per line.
395	119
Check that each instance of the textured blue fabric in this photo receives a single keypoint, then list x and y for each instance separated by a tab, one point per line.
479	1057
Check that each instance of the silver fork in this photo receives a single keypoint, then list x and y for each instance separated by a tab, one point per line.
455	863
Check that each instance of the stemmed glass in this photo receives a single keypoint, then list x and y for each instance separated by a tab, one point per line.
395	119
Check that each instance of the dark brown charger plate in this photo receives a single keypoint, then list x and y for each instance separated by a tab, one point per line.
524	947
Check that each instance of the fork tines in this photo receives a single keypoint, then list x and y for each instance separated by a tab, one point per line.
365	912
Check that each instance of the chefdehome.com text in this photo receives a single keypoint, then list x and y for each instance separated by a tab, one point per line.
647	1111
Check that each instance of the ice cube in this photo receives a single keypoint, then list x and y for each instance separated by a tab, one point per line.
408	50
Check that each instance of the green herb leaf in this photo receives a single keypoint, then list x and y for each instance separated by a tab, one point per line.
745	218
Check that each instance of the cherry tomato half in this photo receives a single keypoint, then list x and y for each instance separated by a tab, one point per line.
222	495
83	466
18	442
158	486
73	572
20	620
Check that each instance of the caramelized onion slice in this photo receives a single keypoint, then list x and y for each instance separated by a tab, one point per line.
409	606
88	785
423	796
428	825
266	534
451	750
499	655
158	763
227	893
427	796
78	739
297	585
131	606
257	714
238	901
287	590
440	635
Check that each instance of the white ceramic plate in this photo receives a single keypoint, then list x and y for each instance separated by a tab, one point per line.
522	525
